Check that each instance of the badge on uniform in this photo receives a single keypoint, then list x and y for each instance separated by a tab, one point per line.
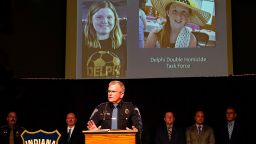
126	111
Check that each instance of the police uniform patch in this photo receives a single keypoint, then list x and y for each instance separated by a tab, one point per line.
40	137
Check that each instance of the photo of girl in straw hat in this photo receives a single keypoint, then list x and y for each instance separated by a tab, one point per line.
174	33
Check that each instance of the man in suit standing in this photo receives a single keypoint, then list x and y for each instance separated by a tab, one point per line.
169	133
72	134
200	133
231	132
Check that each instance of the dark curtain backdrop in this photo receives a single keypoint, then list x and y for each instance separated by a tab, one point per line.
43	104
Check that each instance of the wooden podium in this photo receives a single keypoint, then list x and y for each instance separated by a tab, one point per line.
106	136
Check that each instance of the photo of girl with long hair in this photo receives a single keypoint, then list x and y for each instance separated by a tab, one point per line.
104	46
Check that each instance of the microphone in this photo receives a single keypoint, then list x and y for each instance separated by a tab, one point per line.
136	109
95	110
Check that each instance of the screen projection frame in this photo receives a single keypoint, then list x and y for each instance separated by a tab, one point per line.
218	59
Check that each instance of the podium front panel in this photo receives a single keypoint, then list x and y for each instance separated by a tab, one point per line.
110	138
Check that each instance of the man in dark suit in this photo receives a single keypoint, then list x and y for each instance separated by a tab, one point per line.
231	131
169	133
200	133
72	134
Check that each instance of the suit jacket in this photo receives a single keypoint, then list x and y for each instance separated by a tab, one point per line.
236	137
161	135
77	136
206	136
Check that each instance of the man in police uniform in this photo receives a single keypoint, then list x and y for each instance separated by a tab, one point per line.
115	114
10	133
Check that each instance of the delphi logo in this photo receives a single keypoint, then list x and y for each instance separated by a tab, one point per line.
40	137
103	63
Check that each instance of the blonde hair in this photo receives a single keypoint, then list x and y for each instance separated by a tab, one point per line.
164	34
121	84
90	33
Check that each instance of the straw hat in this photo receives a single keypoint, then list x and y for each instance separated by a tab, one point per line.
197	16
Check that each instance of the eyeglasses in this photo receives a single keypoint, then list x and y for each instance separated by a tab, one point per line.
111	91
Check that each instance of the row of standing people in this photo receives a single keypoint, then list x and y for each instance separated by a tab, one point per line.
200	133
169	133
10	133
118	114
114	114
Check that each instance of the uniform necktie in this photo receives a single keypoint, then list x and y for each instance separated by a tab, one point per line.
69	134
114	118
169	132
11	136
199	129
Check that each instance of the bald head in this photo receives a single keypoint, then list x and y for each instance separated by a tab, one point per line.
71	119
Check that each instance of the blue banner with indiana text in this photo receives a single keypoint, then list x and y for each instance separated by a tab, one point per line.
40	137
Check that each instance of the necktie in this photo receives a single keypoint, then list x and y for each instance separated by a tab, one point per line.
69	134
114	118
229	129
199	129
11	137
169	132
